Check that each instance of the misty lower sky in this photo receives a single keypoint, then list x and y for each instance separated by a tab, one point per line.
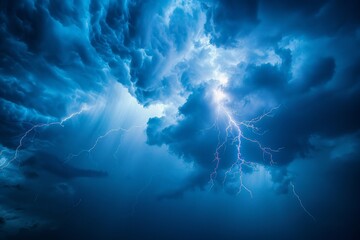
179	119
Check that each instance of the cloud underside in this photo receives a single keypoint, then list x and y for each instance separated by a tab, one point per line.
57	55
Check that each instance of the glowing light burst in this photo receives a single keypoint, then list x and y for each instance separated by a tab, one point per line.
219	96
4	164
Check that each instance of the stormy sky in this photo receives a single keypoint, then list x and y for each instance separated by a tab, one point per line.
179	119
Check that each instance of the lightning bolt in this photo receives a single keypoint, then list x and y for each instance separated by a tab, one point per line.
234	134
98	139
38	126
300	202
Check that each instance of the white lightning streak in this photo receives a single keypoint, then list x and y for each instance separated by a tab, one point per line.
234	127
89	150
40	125
300	202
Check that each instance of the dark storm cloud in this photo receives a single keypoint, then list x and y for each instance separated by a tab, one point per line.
281	180
140	44
189	136
263	77
319	103
56	51
32	206
228	20
69	47
196	181
316	84
299	55
316	18
48	163
48	66
318	73
321	100
57	55
194	138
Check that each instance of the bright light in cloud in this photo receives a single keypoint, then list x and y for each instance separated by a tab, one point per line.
219	96
150	84
221	77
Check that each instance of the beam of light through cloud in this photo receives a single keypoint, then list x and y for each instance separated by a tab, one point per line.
126	112
111	131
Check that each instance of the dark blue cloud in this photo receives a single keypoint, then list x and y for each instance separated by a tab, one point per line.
44	162
318	73
228	20
192	133
197	59
314	19
309	86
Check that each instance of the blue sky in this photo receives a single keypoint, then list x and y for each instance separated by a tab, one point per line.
179	119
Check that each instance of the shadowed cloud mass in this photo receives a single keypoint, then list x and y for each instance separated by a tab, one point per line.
176	78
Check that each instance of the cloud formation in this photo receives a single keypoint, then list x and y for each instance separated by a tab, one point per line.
66	53
295	60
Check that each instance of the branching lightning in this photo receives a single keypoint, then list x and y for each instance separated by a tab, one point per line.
234	134
98	139
39	126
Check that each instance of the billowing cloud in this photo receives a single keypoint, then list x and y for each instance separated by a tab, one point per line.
236	80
